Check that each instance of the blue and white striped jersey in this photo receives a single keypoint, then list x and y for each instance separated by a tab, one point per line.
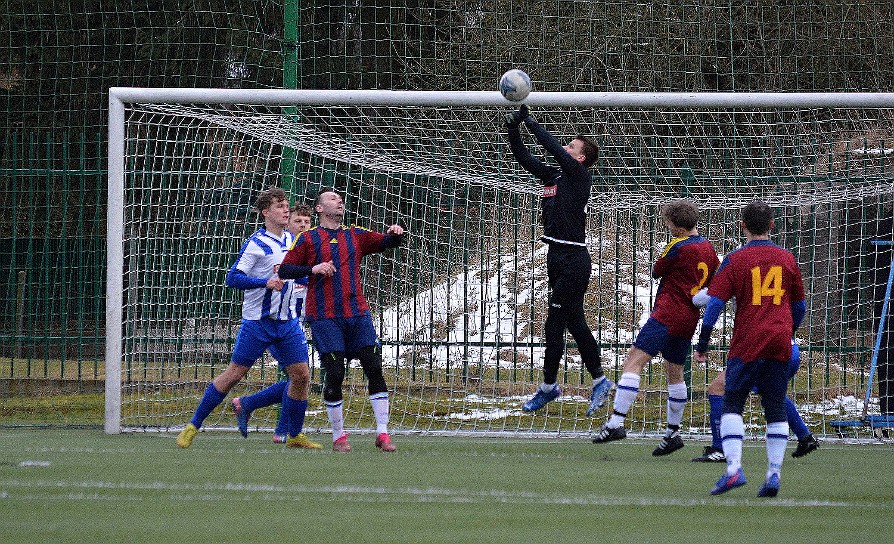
258	260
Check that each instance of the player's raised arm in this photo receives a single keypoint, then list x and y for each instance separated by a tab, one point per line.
524	157
552	145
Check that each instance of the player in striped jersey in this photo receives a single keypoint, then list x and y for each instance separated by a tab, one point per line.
269	321
687	263
338	313
766	282
299	221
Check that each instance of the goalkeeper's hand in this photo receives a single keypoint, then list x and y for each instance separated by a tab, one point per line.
515	118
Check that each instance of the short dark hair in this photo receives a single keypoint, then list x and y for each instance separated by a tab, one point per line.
268	197
682	213
758	217
321	192
301	209
590	150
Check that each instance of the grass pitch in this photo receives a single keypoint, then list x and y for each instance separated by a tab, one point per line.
84	486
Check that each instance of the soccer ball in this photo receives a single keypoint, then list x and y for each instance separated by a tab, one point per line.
515	85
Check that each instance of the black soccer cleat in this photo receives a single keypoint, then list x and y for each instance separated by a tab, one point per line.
607	434
805	446
710	455
668	446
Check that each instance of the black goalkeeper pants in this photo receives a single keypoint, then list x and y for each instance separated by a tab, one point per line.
568	270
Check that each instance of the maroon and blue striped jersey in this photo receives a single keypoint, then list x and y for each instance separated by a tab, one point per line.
766	280
685	266
341	295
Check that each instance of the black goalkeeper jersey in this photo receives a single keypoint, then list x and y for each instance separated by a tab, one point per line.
566	190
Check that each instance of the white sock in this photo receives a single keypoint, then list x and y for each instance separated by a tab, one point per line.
625	394
732	431
600	379
379	403
777	439
676	403
336	419
547	387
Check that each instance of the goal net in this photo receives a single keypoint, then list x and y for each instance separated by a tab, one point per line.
460	308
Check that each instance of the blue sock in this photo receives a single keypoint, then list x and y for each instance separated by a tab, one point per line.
795	423
294	410
209	402
265	397
282	423
716	403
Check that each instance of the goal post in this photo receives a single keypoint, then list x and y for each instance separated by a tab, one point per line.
460	308
114	265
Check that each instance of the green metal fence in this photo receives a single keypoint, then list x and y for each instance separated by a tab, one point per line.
52	246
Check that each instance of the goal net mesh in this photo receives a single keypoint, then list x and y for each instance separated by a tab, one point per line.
460	308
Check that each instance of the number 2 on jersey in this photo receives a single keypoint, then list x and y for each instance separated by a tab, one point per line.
769	286
703	267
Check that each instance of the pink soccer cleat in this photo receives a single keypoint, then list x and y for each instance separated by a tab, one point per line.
383	442
341	445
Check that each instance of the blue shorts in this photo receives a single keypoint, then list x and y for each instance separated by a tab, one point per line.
284	339
767	376
654	339
794	363
344	334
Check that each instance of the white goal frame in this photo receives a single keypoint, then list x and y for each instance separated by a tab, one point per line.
119	96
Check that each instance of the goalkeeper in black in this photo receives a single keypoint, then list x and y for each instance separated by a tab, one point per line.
566	191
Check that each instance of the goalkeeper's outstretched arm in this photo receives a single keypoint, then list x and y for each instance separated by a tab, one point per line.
524	157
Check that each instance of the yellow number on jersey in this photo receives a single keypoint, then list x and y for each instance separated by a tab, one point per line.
769	286
704	268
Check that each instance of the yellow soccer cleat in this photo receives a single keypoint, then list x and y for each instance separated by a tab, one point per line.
302	441
184	439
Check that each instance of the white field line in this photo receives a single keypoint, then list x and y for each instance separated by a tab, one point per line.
91	490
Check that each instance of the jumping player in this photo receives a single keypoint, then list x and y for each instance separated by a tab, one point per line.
566	191
269	321
766	282
687	263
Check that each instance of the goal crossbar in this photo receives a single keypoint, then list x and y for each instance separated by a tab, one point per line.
696	100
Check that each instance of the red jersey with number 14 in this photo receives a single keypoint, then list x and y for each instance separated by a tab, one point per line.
765	279
685	266
340	295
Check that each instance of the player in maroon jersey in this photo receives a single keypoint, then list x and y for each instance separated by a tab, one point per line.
338	313
686	264
769	291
